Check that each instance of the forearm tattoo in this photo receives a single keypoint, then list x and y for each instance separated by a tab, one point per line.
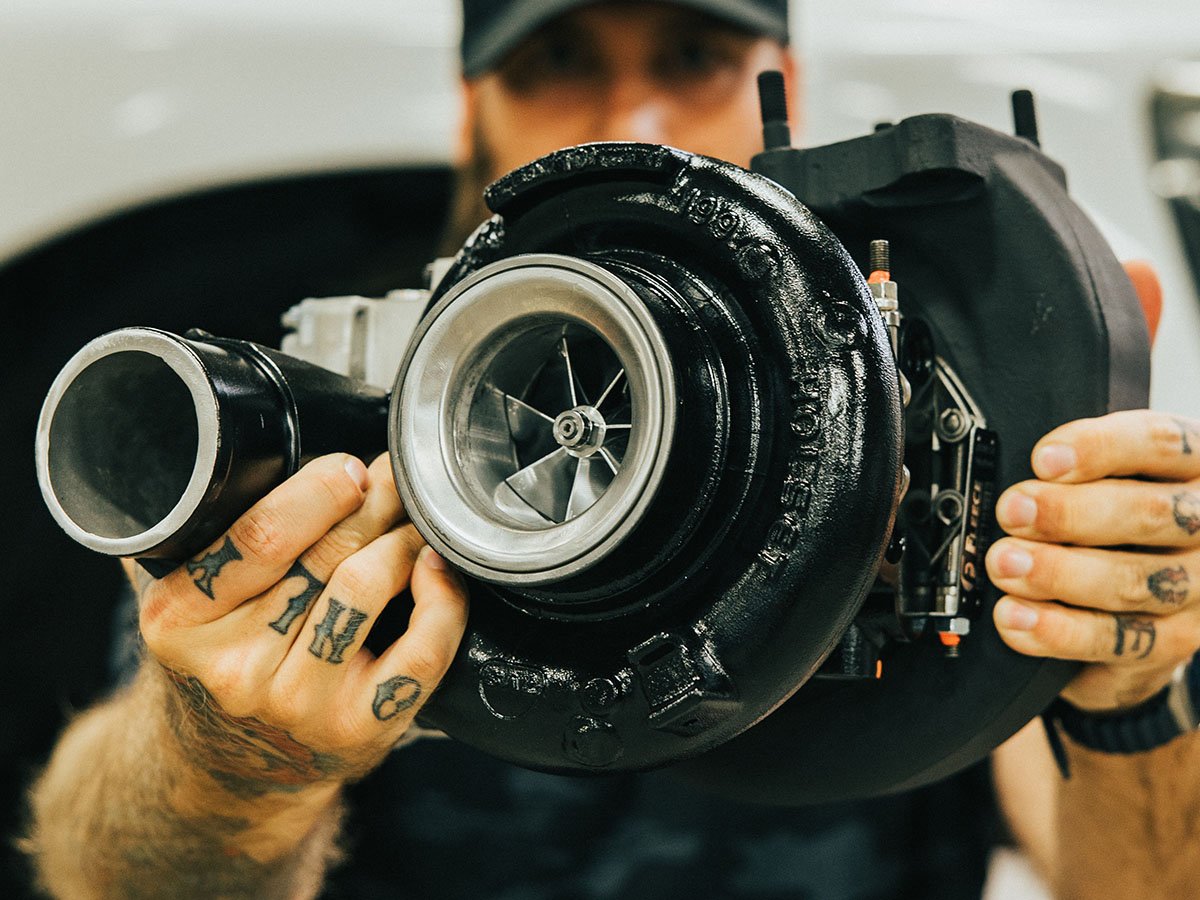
205	569
117	815
1134	634
1170	585
1186	507
298	603
245	755
394	696
328	643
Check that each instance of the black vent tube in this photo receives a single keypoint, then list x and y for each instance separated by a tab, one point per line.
150	445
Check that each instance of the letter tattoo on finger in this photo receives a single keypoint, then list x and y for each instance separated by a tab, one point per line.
1170	585
326	632
1185	429
1186	507
205	569
1140	634
394	696
299	603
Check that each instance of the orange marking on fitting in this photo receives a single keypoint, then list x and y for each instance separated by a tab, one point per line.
879	276
878	669
1149	292
949	638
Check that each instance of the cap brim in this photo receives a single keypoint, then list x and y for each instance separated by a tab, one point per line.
526	16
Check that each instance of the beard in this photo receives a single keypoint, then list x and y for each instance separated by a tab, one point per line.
467	209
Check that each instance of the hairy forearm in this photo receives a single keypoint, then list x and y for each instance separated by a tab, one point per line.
124	810
1127	824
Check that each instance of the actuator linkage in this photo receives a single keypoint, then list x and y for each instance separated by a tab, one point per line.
932	577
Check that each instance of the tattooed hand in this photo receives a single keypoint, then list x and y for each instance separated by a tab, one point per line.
1103	564
262	634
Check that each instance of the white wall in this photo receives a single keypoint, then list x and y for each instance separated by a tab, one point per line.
106	102
109	102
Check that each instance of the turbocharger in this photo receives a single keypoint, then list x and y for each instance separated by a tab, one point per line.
722	485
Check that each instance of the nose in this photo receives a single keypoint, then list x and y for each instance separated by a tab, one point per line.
634	109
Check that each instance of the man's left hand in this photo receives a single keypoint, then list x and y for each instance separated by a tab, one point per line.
1103	562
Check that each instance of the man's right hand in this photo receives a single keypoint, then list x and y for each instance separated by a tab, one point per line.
262	634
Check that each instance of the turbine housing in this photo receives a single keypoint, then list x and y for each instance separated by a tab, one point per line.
723	503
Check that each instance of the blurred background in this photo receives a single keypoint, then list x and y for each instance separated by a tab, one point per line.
174	163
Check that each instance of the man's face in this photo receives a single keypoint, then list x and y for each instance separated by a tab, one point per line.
624	71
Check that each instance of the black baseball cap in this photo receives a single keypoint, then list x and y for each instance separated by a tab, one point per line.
491	28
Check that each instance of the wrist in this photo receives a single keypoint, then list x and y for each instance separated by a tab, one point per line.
212	781
1168	713
239	759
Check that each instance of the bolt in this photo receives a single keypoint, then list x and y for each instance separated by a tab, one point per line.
881	257
571	429
952	424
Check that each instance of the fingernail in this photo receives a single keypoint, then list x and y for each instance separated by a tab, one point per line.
1015	616
1013	562
1016	510
1054	461
357	471
430	557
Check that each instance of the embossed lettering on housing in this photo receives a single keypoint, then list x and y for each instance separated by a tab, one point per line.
796	493
758	259
509	689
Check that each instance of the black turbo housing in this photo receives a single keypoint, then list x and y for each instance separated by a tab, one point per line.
653	412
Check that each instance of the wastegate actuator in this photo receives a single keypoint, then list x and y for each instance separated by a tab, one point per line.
721	483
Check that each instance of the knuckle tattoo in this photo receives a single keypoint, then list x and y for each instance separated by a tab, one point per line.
204	570
1185	508
334	633
1187	435
1133	636
298	598
394	696
1170	585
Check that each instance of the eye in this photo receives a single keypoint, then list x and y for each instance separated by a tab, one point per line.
558	56
696	56
549	60
693	56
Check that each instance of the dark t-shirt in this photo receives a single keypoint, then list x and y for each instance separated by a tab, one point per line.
441	820
438	819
